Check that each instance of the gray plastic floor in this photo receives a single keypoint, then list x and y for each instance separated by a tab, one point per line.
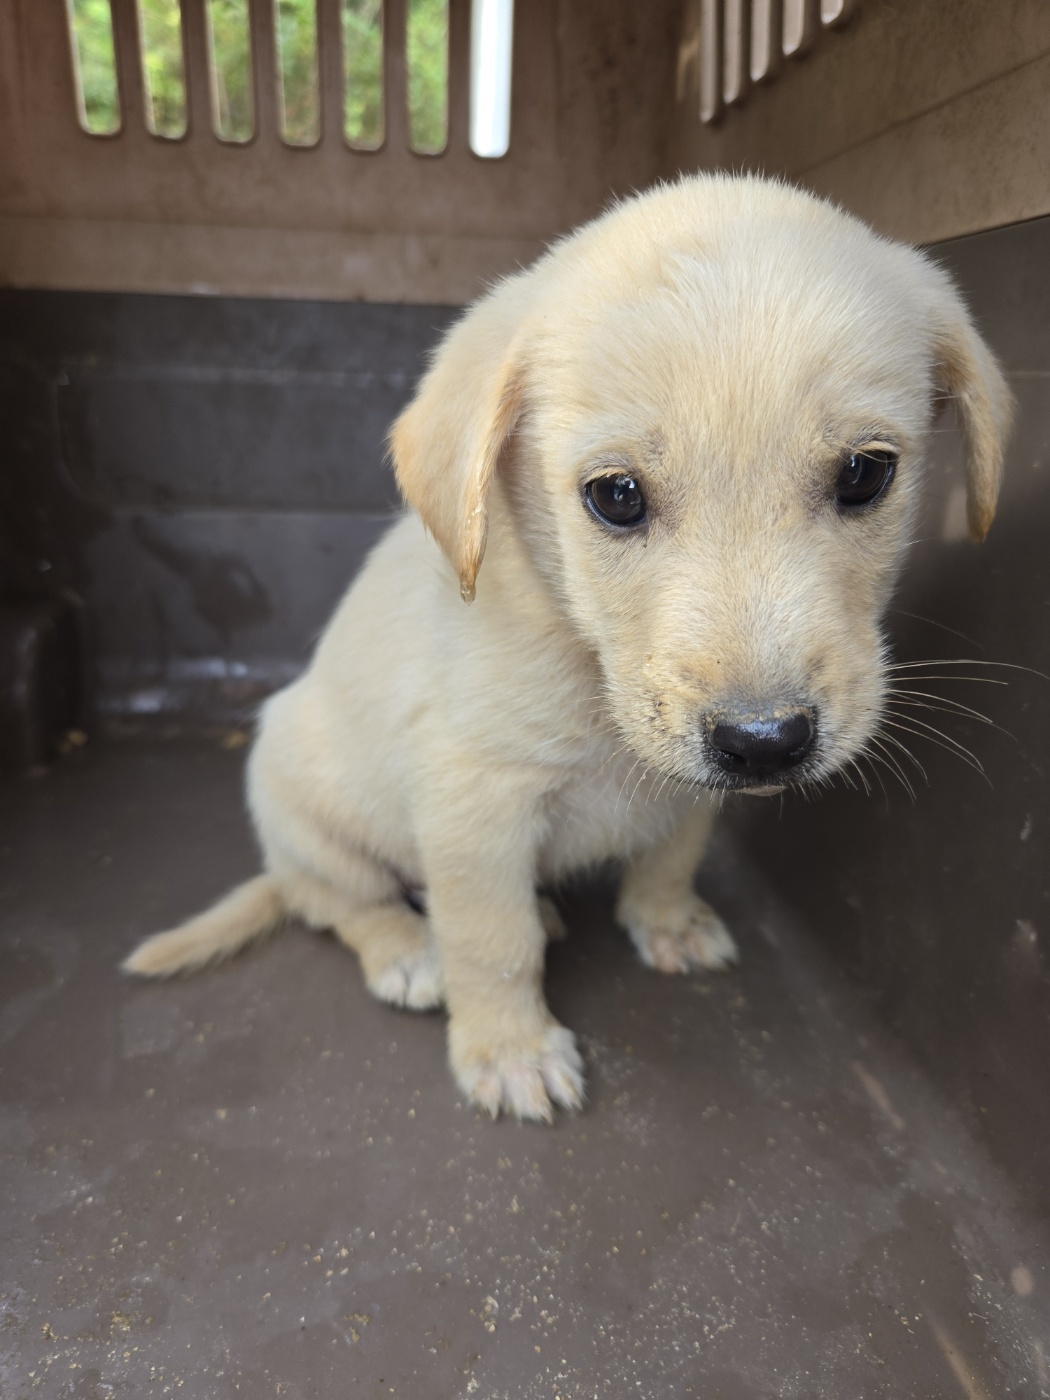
261	1183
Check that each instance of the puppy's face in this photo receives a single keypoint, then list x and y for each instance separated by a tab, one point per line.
707	416
727	466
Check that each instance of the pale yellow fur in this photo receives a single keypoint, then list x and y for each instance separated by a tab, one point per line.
725	340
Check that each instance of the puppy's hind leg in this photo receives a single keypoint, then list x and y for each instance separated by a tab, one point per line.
398	957
367	911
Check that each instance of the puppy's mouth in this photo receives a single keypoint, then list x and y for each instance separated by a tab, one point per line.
723	783
758	787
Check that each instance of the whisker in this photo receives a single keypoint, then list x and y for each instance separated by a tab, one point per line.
889	739
958	711
937	710
904	720
614	755
676	786
855	764
634	790
966	661
654	797
627	779
866	753
945	741
892	764
884	760
945	700
945	676
932	622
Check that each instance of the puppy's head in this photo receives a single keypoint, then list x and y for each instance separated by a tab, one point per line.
705	417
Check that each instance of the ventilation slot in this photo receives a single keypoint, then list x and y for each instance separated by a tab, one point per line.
298	90
163	73
801	22
491	44
426	75
736	73
363	74
730	45
767	49
94	66
230	70
256	42
711	25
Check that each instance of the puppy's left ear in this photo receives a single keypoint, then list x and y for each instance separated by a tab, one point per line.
969	374
446	445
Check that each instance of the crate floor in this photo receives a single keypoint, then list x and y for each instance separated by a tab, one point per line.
259	1182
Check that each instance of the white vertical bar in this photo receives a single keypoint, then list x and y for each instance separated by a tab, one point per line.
491	45
801	20
836	11
710	60
766	49
737	75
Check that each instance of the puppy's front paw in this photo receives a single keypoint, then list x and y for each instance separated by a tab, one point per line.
685	937
525	1078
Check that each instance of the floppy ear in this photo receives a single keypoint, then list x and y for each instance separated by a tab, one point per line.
447	443
969	374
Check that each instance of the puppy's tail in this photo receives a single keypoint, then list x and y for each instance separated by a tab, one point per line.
247	912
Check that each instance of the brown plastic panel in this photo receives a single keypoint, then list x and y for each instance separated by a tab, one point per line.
132	212
929	119
940	906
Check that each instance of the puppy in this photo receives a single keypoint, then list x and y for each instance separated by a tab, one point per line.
688	446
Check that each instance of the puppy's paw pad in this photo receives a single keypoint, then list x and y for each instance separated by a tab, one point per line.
695	940
551	919
412	980
527	1083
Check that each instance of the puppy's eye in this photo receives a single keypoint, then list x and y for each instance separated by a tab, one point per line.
617	499
864	476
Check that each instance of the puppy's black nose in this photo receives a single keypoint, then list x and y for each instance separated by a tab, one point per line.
759	746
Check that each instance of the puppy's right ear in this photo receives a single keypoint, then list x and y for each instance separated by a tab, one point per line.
446	445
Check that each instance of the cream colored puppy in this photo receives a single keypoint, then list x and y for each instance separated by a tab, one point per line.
688	446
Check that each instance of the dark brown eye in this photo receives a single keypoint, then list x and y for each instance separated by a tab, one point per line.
617	499
864	477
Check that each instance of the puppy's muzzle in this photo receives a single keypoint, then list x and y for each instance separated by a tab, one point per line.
760	748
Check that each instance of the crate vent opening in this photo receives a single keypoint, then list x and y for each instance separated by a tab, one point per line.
363	125
230	70
94	66
298	89
730	45
153	33
163	71
426	75
491	39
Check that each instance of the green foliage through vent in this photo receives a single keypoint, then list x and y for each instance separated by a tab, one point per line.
94	65
163	75
230	61
363	124
426	66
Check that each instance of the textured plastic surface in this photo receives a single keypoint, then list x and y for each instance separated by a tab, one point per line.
260	1182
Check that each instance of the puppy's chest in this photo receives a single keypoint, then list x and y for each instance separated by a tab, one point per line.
608	809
